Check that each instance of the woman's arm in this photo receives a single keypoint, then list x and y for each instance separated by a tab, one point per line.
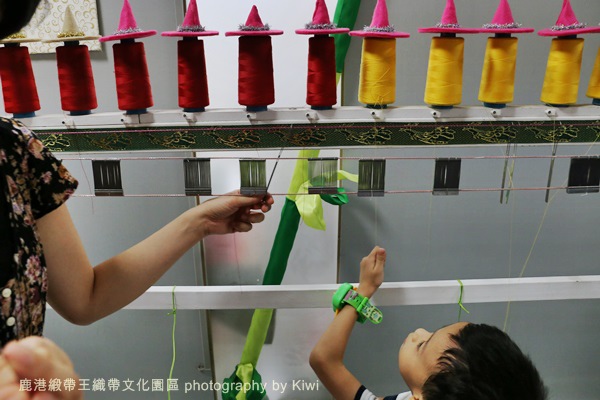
83	294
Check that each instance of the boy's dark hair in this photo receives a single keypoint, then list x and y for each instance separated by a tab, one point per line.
15	14
485	365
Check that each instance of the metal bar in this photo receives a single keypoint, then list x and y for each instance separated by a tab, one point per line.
408	191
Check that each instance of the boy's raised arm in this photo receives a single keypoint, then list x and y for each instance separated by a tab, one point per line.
327	357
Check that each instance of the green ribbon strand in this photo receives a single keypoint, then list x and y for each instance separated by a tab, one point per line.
461	306
174	314
345	16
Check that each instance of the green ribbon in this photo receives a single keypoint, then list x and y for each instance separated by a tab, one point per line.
282	244
257	335
298	205
244	384
310	207
345	16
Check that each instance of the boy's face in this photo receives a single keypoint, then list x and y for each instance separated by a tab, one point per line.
420	352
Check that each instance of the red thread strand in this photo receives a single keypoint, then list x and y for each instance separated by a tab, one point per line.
133	80
193	83
18	81
76	78
256	87
321	86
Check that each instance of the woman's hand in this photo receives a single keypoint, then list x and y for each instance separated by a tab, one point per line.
232	213
36	359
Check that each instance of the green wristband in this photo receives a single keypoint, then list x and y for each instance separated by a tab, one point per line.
366	311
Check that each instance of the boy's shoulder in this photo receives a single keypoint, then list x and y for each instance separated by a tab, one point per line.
365	394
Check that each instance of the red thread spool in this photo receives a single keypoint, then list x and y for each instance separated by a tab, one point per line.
256	87
133	79
76	79
321	86
18	81
193	83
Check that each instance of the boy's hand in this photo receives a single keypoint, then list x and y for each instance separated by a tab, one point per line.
371	272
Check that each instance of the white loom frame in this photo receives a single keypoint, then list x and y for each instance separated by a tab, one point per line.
389	294
319	296
303	115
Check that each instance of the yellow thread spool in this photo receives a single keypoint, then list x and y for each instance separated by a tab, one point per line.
561	84
378	72
594	86
499	67
445	71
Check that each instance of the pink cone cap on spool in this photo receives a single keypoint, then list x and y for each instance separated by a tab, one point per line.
449	22
567	24
128	28
191	26
503	21
254	26
321	24
380	25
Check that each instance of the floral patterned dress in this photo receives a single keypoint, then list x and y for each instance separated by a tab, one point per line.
32	184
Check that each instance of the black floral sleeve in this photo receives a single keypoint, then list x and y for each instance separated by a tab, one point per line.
50	182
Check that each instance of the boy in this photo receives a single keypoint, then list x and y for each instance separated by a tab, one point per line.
462	361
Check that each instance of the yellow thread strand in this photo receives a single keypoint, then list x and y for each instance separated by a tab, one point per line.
445	72
561	84
506	318
526	263
535	239
499	67
378	72
594	86
429	214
